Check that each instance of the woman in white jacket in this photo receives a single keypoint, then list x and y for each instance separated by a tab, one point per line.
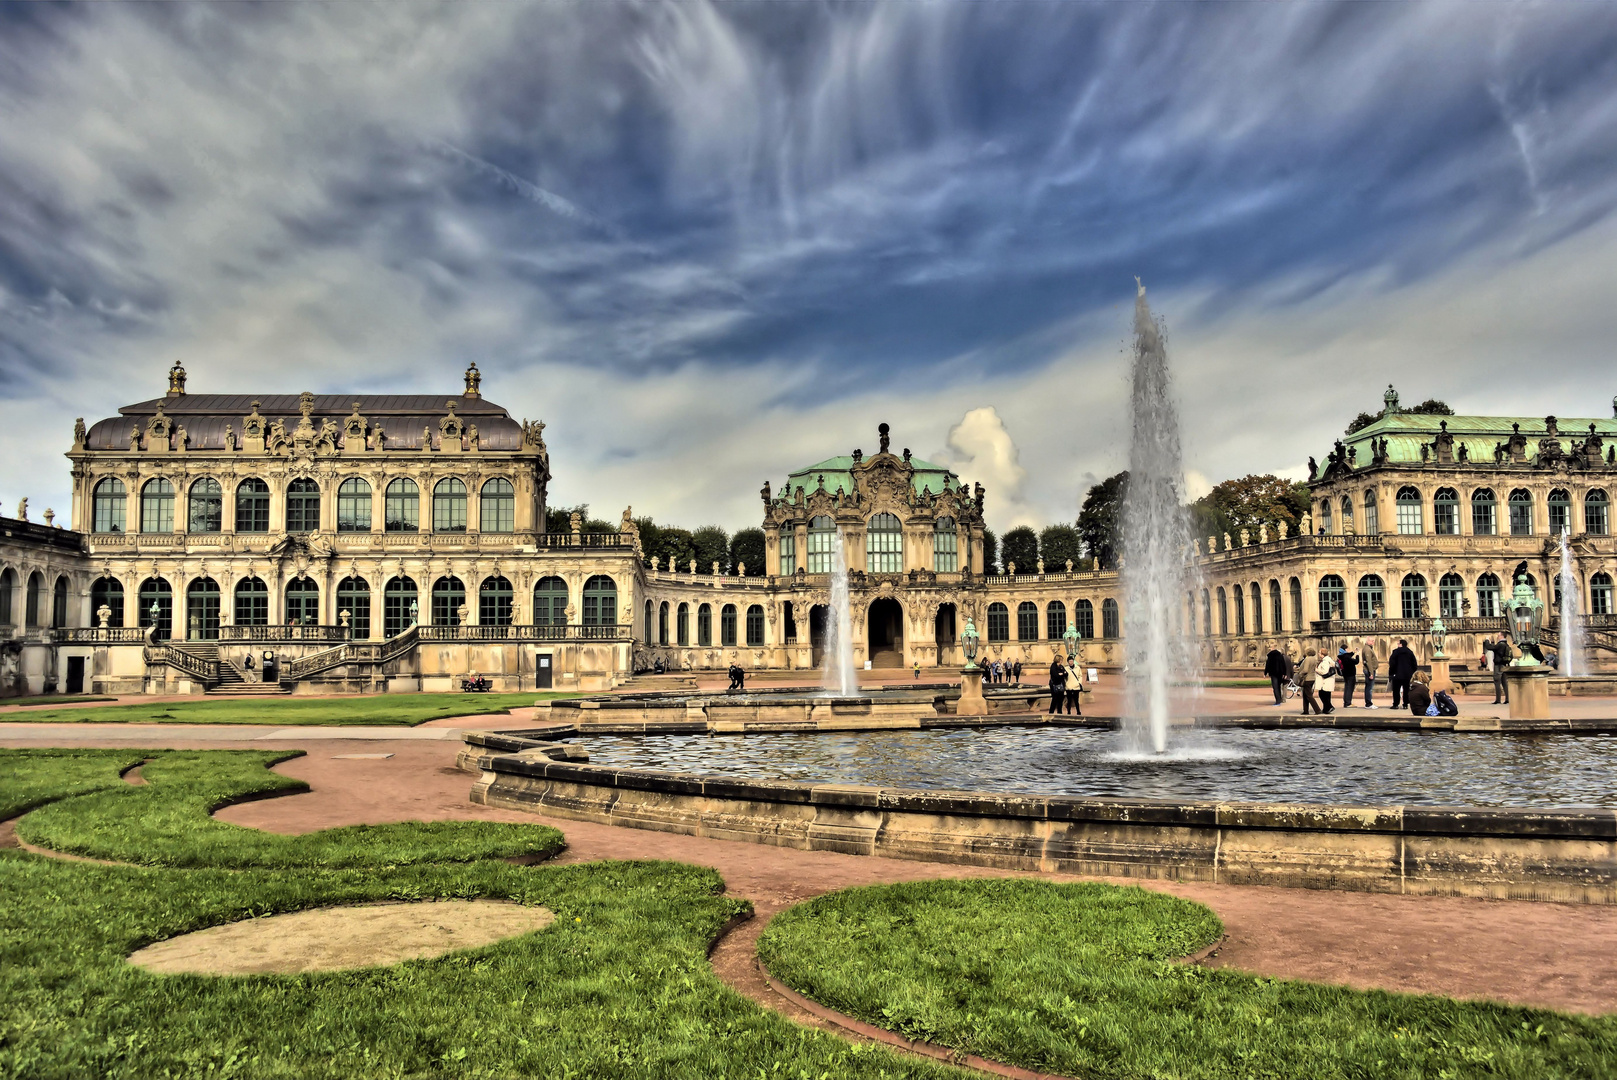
1325	681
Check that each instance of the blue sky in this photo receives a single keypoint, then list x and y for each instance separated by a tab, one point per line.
711	243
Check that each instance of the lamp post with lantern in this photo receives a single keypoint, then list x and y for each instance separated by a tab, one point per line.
971	701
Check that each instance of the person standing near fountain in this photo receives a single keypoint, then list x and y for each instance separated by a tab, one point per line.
1274	666
1058	686
1501	661
1401	667
1307	673
1367	653
1326	682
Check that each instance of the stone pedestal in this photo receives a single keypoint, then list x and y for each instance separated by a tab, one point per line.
971	701
1440	676
1529	692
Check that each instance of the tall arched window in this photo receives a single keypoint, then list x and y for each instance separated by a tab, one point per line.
59	604
1409	512
252	602
1600	594
1223	612
105	592
448	597
755	625
302	602
157	607
202	610
1372	513
401	506
1347	514
704	625
1027	621
1207	614
550	602
1372	596
8	593
207	509
1487	595
788	552
600	601
400	606
1257	608
252	506
1412	594
1484	512
1521	512
727	625
662	623
302	506
31	602
1325	520
1240	608
1332	597
497	507
449	506
494	598
945	546
1055	620
157	506
354	506
1446	512
1108	619
1596	520
1450	593
999	622
1296	590
1274	605
1560	507
354	597
682	625
111	505
651	624
822	537
1083	617
884	545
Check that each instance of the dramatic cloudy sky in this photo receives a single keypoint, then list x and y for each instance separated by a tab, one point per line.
711	243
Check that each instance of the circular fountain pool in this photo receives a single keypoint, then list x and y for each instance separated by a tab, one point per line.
1317	766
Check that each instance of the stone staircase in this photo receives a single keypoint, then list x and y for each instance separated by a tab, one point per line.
232	680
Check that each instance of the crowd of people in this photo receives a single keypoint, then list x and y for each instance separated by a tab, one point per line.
1314	678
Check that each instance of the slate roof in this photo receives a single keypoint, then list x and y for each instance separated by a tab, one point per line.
1405	432
838	473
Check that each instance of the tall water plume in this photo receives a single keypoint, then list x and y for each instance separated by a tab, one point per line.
1571	625
1162	678
840	677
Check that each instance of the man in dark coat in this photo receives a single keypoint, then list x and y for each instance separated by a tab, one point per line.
1058	686
1347	662
1275	668
1401	667
1501	661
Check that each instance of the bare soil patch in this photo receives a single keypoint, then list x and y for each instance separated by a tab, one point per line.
337	938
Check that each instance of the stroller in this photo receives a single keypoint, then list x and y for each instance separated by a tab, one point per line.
1293	687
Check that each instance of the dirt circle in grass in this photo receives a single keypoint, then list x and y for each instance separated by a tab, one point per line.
337	938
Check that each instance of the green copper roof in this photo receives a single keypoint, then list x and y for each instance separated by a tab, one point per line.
838	474
1406	432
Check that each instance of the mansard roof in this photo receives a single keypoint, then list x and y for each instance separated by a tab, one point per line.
1406	432
838	473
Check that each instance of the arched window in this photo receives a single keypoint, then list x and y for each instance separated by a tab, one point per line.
1372	513
448	597
822	537
1257	608
600	601
1083	617
1483	512
1325	520
1296	605
884	545
157	507
704	625
494	598
945	546
33	602
1372	596
1446	512
1560	505
157	607
59	604
354	506
550	602
1207	614
1108	619
755	625
1600	594
651	624
302	602
202	610
1027	621
1240	608
1347	514
302	506
1409	512
207	509
1413	596
252	602
662	623
999	622
449	506
400	606
8	590
108	593
788	552
354	598
1332	597
1223	612
111	504
401	506
1521	512
682	625
252	506
1274	606
1055	620
727	625
498	506
1595	518
1450	593
1487	595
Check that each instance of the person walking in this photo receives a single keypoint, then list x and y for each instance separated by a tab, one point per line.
1401	667
1307	673
1367	656
917	671
1347	662
1325	682
1058	686
1501	661
1275	668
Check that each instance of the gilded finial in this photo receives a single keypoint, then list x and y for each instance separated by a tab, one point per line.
474	381
176	379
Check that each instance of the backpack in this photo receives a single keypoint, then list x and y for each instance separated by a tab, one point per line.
1444	704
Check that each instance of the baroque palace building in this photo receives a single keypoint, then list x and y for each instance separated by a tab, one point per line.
399	543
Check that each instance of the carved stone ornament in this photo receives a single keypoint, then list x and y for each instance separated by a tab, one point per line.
451	426
252	425
354	428
158	428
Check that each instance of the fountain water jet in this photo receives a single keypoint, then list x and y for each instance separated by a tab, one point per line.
840	677
1163	677
1571	627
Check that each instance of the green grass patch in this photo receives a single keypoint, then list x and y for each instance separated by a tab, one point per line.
1236	684
30	778
1080	980
55	699
367	709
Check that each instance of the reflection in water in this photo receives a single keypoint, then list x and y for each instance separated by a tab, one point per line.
1344	767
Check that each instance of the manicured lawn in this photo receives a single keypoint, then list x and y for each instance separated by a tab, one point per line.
370	709
620	986
1079	980
55	699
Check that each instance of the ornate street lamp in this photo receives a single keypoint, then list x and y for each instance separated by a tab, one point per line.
1070	640
1440	634
1525	615
968	642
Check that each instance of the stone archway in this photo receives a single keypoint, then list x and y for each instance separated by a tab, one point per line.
946	633
818	614
884	628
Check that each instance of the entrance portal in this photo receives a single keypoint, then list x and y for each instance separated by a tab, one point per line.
817	616
886	633
943	632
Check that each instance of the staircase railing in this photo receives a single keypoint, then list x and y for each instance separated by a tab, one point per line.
206	670
352	652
